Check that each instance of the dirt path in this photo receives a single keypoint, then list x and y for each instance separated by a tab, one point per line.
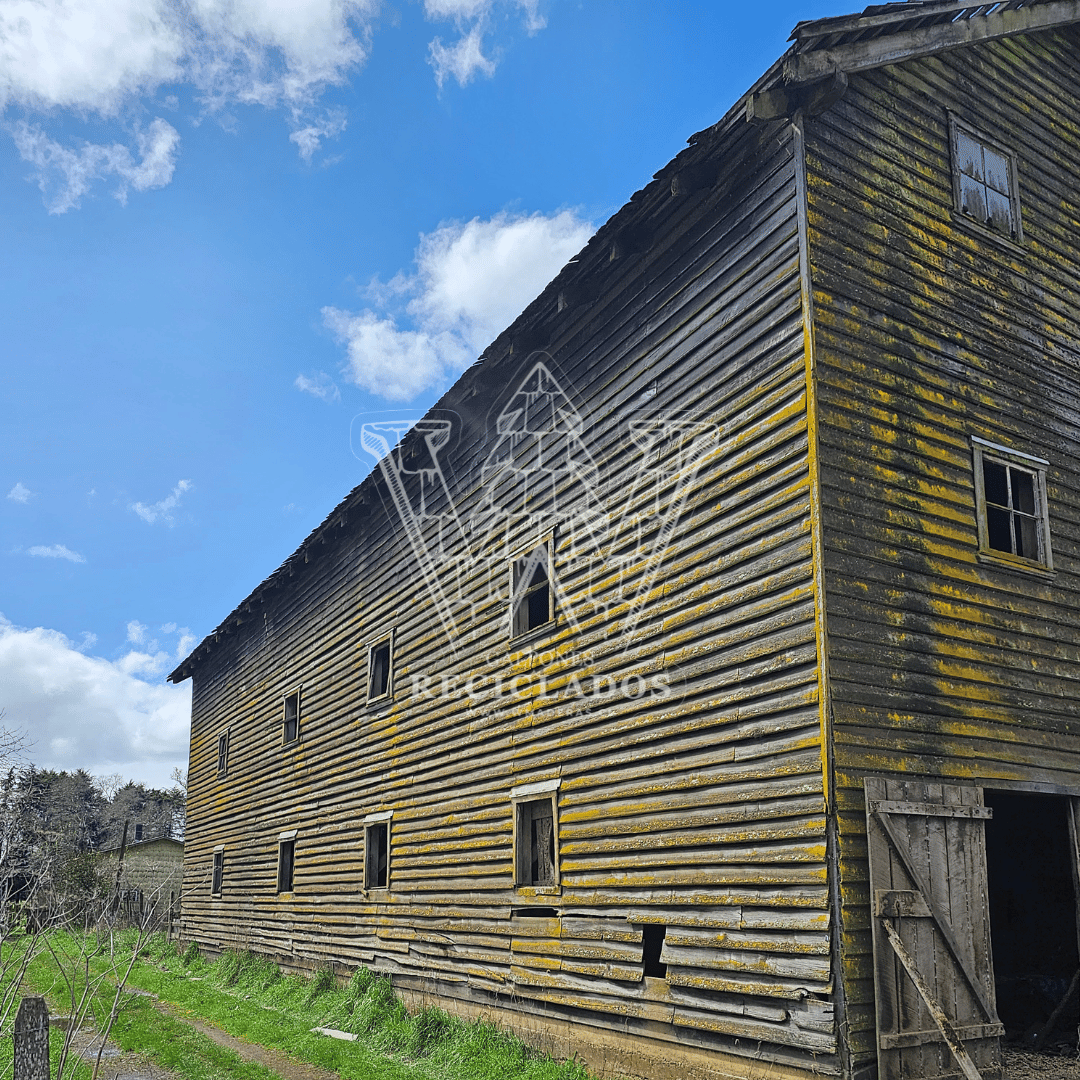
115	1063
283	1065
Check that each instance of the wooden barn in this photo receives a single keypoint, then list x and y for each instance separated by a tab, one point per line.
150	879
696	688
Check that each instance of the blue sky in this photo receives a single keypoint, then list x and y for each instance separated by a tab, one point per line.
228	229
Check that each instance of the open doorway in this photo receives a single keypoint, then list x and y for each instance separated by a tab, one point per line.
1033	915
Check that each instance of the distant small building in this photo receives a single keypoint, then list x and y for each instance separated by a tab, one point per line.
151	877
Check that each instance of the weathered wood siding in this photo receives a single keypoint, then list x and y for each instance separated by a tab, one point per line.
928	333
700	808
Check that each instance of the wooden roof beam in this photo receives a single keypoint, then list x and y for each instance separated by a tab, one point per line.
909	44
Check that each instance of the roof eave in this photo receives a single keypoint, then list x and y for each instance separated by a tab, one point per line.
803	67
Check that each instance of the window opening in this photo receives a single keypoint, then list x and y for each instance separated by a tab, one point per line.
290	730
379	670
223	753
652	946
219	871
531	604
1033	929
376	855
1011	502
1011	521
985	183
286	862
138	832
536	839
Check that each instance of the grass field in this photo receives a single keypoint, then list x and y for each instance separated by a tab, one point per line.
249	998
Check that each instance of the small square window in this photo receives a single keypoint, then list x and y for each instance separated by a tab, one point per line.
380	673
984	182
285	864
532	598
290	727
377	854
223	753
1010	498
219	871
536	842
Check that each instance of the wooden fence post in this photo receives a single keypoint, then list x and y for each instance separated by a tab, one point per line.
32	1040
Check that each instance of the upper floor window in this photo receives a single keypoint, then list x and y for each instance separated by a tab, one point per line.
1010	496
290	725
984	181
532	599
380	672
223	753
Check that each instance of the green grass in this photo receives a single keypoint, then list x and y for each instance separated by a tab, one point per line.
249	998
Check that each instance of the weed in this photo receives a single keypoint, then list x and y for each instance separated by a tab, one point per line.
322	981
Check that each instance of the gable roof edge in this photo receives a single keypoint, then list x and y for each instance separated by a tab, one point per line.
802	67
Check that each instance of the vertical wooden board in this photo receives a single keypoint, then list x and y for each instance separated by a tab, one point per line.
918	1060
938	861
886	975
972	910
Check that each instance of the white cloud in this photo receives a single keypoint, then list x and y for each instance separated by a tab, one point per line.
65	175
186	642
321	386
465	58
98	55
87	55
55	551
472	280
163	509
86	712
20	493
308	139
136	632
110	58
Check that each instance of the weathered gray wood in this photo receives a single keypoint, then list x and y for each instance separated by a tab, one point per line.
949	1033
939	918
894	48
32	1040
677	811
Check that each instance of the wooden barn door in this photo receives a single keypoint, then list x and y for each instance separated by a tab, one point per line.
933	974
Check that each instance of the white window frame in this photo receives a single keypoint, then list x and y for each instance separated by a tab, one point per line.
983	449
